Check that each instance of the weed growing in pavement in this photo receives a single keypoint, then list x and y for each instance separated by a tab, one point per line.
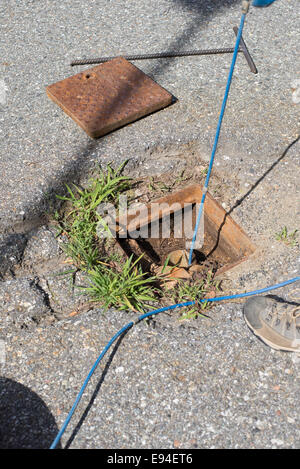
193	290
126	286
113	280
290	239
80	222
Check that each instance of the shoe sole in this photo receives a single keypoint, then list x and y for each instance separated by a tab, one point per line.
266	341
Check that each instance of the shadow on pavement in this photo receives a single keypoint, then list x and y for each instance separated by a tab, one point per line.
252	188
203	11
25	420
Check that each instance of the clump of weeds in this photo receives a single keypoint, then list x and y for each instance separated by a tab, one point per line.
113	280
290	239
195	290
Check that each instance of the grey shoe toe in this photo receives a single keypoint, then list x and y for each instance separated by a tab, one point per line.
252	310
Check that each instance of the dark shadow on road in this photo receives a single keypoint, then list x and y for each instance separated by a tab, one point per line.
252	188
283	301
25	420
203	11
206	8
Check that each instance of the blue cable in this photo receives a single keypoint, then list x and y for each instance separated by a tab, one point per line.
219	298
235	53
255	292
144	316
188	303
112	340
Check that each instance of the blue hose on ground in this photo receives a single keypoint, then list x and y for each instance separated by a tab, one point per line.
235	53
193	302
66	422
144	316
256	3
262	3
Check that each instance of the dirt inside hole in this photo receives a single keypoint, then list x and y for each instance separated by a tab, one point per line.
224	242
164	227
156	251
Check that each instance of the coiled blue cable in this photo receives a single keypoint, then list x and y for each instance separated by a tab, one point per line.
144	316
236	49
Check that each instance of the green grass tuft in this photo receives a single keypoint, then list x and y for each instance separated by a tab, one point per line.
126	287
80	223
193	290
113	281
290	239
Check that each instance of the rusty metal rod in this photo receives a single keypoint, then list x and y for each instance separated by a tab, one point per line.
246	52
158	55
163	55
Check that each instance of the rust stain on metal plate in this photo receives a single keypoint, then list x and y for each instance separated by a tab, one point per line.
108	96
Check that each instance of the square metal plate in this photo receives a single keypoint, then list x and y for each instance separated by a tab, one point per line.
108	96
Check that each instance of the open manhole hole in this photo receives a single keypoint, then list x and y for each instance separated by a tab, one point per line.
162	230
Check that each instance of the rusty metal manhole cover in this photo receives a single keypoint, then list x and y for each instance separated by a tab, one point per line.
225	243
108	96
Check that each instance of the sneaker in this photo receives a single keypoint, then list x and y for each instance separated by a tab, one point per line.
275	322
